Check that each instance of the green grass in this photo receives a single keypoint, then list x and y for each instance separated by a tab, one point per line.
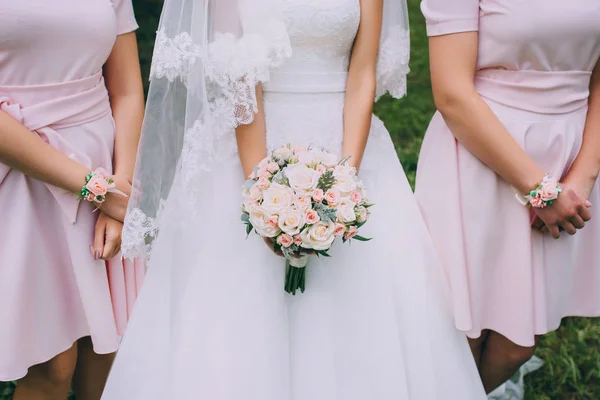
571	356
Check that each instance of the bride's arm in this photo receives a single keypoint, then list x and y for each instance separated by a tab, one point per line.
252	138
361	85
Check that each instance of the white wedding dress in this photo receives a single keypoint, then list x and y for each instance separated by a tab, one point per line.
375	322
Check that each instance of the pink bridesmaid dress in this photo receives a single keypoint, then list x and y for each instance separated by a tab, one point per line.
52	291
533	70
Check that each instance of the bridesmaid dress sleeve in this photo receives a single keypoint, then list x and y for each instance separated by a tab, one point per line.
450	16
125	18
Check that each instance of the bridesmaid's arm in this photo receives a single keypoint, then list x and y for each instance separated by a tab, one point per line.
361	85
453	60
25	151
252	138
126	92
584	171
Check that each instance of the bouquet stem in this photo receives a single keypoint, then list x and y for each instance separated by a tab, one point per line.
296	274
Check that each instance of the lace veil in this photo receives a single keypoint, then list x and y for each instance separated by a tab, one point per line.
208	58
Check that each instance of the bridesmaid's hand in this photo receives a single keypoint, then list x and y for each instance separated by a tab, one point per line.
569	212
115	205
107	239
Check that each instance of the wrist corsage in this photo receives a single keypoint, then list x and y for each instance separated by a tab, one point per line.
98	184
543	195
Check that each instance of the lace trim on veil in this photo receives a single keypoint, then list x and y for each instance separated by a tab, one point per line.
392	64
233	69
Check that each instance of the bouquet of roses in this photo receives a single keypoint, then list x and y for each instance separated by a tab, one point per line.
303	199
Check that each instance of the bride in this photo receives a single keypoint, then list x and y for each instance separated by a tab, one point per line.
232	79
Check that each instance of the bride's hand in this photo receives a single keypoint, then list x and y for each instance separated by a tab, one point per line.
271	245
115	204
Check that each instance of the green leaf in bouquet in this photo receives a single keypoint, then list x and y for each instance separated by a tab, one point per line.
367	205
249	228
249	183
362	238
360	224
321	253
246	218
281	179
326	214
326	181
344	160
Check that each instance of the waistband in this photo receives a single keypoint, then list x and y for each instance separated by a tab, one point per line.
535	91
45	108
295	82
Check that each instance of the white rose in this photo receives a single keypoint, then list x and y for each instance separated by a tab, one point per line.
345	212
363	213
302	179
260	221
345	184
302	203
325	158
291	220
319	236
282	153
277	198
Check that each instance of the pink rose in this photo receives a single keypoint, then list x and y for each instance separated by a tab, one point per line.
91	197
302	203
549	191
272	167
339	230
333	197
355	197
311	217
285	240
263	182
273	221
263	163
102	173
298	149
297	240
321	169
351	232
537	202
317	195
263	173
97	185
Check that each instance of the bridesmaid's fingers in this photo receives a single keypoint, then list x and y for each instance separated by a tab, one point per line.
584	211
537	223
568	227
97	248
554	231
577	221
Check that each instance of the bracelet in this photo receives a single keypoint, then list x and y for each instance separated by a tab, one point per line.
543	195
97	184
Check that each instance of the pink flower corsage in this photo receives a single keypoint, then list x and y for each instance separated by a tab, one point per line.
544	194
98	184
